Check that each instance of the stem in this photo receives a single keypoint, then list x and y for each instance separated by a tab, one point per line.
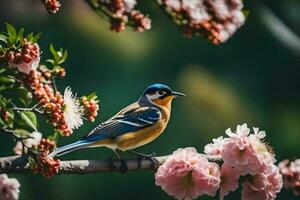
54	84
32	109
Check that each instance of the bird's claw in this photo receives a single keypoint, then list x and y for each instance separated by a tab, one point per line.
150	157
123	167
154	161
111	163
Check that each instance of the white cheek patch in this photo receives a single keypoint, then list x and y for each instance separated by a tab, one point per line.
153	96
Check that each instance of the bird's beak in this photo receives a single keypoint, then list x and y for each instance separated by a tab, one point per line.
177	94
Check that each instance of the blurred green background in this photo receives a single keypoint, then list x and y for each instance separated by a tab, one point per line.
252	78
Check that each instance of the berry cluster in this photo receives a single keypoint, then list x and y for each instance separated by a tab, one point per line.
45	164
53	102
60	72
122	12
4	115
140	21
290	169
52	6
26	54
91	108
55	109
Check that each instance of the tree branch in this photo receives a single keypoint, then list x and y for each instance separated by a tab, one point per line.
19	164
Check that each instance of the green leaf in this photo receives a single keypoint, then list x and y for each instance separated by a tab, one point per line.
51	61
20	34
64	57
24	96
29	37
91	96
4	101
11	30
7	79
37	37
29	118
54	53
55	136
3	38
3	87
2	123
246	12
22	132
3	70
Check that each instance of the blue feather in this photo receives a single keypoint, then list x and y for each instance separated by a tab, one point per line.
69	148
124	124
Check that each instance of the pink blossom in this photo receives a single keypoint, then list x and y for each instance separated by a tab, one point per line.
237	151
216	147
129	5
196	10
290	170
246	152
173	4
263	186
260	149
187	174
219	19
9	188
229	180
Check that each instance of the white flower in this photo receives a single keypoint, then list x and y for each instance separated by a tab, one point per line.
259	134
72	110
9	188
129	5
216	147
241	130
33	139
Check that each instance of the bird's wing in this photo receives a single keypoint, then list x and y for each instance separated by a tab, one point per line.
130	120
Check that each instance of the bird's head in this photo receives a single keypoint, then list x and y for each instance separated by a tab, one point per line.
160	94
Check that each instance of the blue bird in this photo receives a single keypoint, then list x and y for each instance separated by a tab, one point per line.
134	126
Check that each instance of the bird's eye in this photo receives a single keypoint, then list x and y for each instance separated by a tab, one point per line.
160	92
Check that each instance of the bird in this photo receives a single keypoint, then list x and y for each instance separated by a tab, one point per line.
134	126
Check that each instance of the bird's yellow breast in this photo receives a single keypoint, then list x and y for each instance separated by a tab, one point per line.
136	139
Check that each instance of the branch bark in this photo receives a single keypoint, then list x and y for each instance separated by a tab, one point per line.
19	164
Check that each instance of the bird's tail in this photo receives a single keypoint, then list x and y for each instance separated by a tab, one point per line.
70	148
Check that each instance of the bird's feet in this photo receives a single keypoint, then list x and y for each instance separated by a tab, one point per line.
123	166
111	164
150	157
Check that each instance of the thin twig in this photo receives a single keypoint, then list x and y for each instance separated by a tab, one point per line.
33	108
54	84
